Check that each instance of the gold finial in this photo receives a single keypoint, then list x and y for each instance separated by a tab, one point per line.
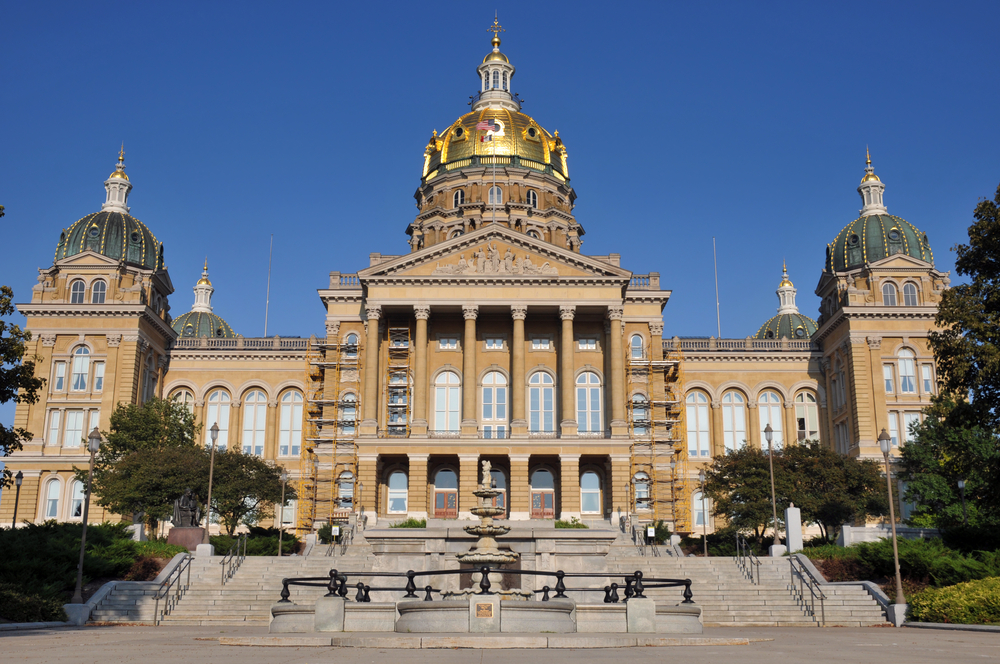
204	275
119	171
496	29
121	153
868	157
206	264
785	282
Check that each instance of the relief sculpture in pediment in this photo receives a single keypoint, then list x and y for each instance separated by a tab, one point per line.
490	261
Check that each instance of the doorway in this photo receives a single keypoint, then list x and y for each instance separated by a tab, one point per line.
543	495
445	494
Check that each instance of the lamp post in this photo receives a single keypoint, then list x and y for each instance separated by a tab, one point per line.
281	512
704	515
885	442
361	491
17	497
961	489
673	508
214	431
769	435
94	446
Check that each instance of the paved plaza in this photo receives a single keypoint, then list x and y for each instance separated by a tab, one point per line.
195	645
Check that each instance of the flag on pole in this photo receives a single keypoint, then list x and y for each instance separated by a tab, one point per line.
491	127
486	125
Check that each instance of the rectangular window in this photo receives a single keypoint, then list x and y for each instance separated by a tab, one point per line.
907	376
890	379
98	376
448	343
95	420
74	428
54	428
59	384
588	343
909	420
926	378
540	343
894	428
494	343
288	513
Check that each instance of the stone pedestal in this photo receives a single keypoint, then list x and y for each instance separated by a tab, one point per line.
793	529
79	614
330	614
189	538
777	550
640	615
204	550
897	614
484	614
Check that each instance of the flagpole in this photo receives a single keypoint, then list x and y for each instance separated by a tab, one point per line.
494	142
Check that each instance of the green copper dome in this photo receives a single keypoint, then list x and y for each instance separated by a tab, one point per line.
874	237
794	326
115	235
196	324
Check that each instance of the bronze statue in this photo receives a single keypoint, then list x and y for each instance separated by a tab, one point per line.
186	511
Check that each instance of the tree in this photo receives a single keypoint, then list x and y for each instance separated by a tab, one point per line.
831	489
18	382
952	444
739	484
245	489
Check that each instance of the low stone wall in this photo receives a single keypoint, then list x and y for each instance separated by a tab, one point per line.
855	534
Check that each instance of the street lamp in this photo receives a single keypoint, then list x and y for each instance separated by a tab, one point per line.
214	431
885	442
17	496
769	435
94	445
961	488
704	515
673	507
281	512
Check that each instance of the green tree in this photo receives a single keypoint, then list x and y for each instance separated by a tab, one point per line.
245	489
739	484
831	489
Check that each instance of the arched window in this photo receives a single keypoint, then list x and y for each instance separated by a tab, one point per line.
640	415
734	421
184	398
635	347
76	291
505	80
641	482
542	494
348	414
76	501
909	295
447	401
459	197
806	416
769	410
351	347
907	372
149	383
98	291
590	493
52	499
889	295
532	198
345	490
494	405
81	369
398	492
254	422
486	81
541	402
699	506
588	402
697	424
290	430
218	413
496	79
534	234
446	494
455	234
496	196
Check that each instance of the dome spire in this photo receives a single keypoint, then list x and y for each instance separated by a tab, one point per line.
203	292
495	74
786	293
871	190
117	187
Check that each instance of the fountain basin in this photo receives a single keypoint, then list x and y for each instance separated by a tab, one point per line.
554	616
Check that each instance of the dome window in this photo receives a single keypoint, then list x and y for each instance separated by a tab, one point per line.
496	79
219	332
532	199
459	132
455	234
496	196
94	231
189	330
459	197
505	80
769	335
800	332
853	250
134	236
895	241
853	240
894	234
531	132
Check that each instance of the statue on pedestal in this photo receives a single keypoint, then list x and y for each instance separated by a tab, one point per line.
186	511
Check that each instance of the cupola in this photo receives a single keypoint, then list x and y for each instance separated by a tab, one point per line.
118	187
495	74
871	190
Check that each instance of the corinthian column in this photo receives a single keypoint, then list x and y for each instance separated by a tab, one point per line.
469	423
419	425
619	427
369	421
518	422
566	366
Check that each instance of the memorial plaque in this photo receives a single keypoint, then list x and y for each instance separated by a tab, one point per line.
484	610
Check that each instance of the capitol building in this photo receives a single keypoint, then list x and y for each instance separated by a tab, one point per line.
496	337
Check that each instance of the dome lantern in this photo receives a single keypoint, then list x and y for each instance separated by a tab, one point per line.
786	294
118	187
495	75
203	292
871	190
201	321
789	323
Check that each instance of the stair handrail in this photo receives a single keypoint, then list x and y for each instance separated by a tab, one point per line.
234	558
807	580
639	541
172	589
346	538
747	560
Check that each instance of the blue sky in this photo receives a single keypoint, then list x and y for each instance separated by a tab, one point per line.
683	121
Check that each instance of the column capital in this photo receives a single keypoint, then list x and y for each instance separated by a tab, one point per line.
519	311
874	342
332	329
373	311
656	329
421	311
470	311
616	312
114	340
567	311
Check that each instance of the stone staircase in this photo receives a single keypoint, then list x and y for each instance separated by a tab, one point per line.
729	599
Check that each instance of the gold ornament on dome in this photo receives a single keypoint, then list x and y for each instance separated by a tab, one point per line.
490	261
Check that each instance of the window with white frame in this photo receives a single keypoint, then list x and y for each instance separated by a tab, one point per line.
219	405
641	483
398	493
588	403
345	490
909	294
494	343
697	424
76	500
907	372
590	493
586	343
254	422
734	420
532	199
910	420
541	402
76	292
459	197
541	343
494	405
98	376
806	416
290	425
288	512
448	343
73	436
184	398
496	79
635	347
98	292
640	415
447	401
699	503
894	428
769	410
52	499
59	378
496	196
95	420
351	347
54	419
927	378
889	378
81	368
349	414
889	295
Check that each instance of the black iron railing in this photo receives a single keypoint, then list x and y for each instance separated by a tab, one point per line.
633	585
172	589
232	560
806	581
747	560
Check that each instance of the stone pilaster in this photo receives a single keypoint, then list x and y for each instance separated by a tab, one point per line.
619	427
518	423
620	487
417	482
419	424
366	488
470	427
468	478
369	422
519	492
569	486
567	379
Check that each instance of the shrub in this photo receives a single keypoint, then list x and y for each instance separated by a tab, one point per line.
325	533
410	523
572	523
19	606
969	603
260	542
145	568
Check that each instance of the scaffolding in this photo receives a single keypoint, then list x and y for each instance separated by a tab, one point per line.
397	382
656	426
329	455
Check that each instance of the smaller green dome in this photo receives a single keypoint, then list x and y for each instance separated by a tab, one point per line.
115	235
793	326
874	237
196	324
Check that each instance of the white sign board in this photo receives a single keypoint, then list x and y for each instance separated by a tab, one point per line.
335	531
650	532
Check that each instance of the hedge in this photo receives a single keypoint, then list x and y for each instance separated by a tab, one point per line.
969	603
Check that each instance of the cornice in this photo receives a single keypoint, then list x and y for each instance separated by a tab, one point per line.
752	356
139	311
874	312
234	355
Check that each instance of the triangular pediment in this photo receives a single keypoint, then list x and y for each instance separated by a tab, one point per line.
901	261
494	251
89	258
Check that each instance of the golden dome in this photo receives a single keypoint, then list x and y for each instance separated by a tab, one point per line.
870	177
495	56
785	282
204	276
869	171
119	171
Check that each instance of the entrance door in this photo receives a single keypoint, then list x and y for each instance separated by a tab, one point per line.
543	497
445	494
